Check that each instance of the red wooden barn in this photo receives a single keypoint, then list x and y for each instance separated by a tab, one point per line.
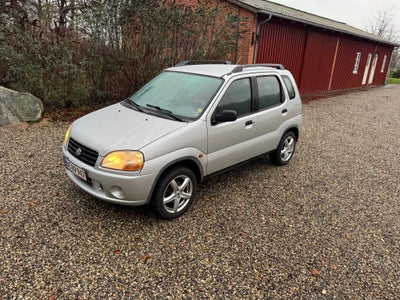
324	55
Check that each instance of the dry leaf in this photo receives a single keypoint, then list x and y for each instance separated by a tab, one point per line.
145	257
315	272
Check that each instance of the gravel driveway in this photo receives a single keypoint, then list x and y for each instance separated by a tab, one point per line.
326	226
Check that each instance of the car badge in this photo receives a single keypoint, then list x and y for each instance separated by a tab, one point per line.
78	152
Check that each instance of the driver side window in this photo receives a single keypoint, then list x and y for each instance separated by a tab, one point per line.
237	98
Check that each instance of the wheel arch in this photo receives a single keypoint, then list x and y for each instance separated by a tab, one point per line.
188	162
275	155
293	129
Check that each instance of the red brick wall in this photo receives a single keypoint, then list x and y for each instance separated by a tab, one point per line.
244	52
248	27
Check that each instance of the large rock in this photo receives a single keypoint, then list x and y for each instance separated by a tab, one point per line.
16	107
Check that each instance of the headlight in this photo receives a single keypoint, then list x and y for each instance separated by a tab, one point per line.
123	160
67	136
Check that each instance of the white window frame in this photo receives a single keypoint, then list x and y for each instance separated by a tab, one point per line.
384	63
357	63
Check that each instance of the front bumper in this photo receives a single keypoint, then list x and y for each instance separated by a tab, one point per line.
127	189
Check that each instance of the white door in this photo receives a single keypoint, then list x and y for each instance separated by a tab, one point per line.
366	71
372	74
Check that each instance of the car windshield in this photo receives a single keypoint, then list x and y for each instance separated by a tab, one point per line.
182	94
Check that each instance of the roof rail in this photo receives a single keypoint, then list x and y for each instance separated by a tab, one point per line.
241	67
202	62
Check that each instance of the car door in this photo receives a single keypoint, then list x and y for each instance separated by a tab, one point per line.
272	113
232	142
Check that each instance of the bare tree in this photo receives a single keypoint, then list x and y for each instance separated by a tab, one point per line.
383	25
395	62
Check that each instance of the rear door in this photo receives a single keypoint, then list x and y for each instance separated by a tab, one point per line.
230	143
272	113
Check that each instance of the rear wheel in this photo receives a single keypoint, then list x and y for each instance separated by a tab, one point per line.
174	192
284	153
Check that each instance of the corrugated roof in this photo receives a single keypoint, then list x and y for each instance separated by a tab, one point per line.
282	11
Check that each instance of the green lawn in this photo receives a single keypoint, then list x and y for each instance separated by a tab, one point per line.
393	80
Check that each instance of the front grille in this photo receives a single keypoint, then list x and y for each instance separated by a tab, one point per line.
85	154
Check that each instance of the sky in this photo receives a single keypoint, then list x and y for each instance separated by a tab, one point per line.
357	13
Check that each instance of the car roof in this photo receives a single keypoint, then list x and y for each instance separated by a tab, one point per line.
218	70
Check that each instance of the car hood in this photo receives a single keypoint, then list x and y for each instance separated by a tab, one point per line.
117	127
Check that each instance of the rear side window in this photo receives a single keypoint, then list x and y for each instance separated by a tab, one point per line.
269	91
289	87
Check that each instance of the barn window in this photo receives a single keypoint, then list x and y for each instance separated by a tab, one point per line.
384	64
357	63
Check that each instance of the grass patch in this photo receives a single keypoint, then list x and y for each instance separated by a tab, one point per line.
392	80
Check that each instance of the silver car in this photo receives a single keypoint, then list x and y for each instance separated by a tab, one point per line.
190	121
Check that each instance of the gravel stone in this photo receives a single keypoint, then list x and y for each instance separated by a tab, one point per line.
326	226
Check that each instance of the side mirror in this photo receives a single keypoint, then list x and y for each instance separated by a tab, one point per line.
225	116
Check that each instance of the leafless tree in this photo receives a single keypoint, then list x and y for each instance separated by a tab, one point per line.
383	25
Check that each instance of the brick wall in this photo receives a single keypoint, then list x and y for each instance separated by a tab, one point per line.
244	50
248	26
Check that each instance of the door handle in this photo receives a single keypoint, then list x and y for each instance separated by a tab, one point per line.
284	111
248	123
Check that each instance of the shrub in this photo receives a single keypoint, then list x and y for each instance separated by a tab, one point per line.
105	56
395	74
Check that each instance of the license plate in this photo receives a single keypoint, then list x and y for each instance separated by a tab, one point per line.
81	173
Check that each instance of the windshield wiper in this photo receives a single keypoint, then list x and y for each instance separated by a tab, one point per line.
134	104
166	112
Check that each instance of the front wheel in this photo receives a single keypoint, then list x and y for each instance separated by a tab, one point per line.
284	153
174	192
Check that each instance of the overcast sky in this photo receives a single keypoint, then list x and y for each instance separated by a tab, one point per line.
356	13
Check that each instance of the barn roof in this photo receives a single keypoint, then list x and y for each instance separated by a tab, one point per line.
282	11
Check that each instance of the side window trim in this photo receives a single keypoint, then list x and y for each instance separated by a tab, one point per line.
255	101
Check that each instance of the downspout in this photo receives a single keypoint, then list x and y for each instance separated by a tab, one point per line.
258	36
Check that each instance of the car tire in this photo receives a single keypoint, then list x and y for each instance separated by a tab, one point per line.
174	192
284	153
